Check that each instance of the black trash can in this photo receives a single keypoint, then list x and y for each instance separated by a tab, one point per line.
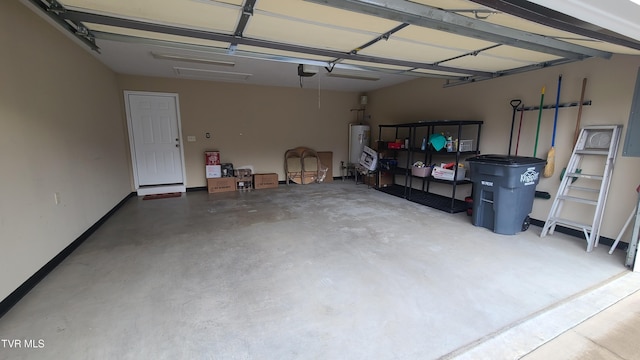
503	191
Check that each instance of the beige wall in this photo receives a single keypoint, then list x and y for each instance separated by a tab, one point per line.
254	125
610	86
60	131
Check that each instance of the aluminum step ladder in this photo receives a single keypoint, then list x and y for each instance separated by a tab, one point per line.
596	151
632	251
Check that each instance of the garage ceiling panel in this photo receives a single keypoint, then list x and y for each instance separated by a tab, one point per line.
402	49
290	31
282	53
514	22
498	18
156	36
517	54
595	44
232	2
450	4
437	73
384	67
213	16
418	37
314	13
487	63
441	38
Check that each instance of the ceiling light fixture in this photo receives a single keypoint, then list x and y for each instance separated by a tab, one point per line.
353	77
211	74
198	60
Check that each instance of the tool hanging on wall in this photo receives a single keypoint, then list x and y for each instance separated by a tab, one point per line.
535	146
577	131
539	194
519	129
551	155
514	104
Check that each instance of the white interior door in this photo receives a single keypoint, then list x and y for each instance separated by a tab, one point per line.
154	132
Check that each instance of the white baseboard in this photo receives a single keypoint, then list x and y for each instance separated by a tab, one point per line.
160	189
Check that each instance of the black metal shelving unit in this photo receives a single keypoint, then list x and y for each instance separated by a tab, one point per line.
414	131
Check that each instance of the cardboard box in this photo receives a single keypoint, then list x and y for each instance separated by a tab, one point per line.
212	157
244	183
213	171
265	181
219	185
370	179
446	174
385	178
369	159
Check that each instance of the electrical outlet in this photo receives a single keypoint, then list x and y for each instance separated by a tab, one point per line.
56	198
191	138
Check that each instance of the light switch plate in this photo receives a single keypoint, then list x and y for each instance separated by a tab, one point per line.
191	138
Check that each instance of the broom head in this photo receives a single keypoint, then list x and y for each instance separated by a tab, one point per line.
551	160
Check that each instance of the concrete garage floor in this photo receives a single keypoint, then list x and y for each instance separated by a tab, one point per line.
322	271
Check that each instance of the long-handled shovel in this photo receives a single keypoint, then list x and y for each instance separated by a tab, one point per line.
514	104
540	194
577	131
535	146
519	129
551	156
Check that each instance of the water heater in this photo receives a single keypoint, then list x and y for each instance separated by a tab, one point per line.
358	139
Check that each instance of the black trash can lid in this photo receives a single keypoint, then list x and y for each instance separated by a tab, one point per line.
507	160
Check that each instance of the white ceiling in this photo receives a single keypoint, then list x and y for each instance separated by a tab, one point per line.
374	43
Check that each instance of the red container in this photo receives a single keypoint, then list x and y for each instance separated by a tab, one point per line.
212	157
469	201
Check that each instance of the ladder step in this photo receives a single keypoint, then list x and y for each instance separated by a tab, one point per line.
582	188
577	199
571	223
592	152
584	176
601	127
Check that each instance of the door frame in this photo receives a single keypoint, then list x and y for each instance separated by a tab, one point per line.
151	189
